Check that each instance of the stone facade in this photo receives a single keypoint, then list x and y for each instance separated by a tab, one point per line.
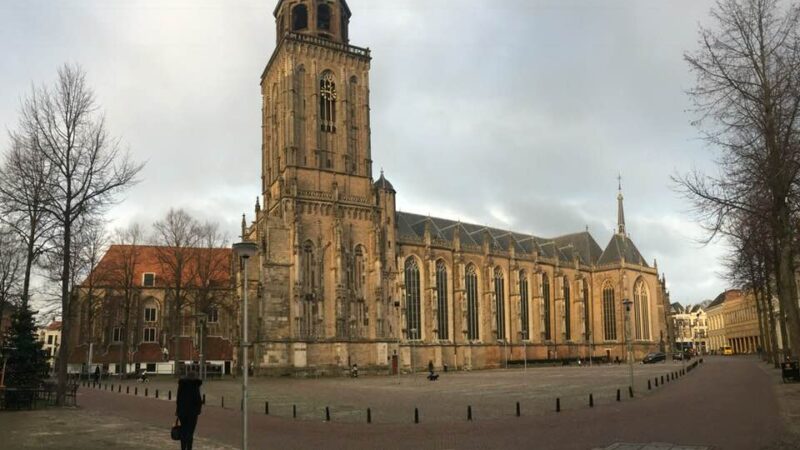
343	278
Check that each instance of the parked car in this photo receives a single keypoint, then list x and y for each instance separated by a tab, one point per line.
677	356
651	358
727	350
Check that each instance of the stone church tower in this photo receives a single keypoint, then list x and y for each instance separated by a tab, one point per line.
342	278
321	228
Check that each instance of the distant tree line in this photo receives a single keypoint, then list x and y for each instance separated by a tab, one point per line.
747	101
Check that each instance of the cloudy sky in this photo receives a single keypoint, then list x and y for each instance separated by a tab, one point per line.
512	113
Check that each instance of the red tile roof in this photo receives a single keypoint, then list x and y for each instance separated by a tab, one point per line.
157	259
55	325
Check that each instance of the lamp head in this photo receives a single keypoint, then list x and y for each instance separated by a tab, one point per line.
245	249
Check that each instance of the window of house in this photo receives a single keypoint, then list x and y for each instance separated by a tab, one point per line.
50	339
324	17
116	334
471	284
412	299
299	17
327	102
149	334
213	315
609	314
150	314
149	279
441	297
500	302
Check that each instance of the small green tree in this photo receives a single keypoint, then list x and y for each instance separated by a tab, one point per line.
26	366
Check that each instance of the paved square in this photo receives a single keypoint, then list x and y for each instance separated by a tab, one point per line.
492	394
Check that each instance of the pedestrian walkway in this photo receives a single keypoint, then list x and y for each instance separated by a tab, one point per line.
727	403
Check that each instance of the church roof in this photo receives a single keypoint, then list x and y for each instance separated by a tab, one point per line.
581	245
619	247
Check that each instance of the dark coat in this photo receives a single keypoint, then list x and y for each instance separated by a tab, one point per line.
188	401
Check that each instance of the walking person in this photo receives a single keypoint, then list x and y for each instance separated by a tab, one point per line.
187	407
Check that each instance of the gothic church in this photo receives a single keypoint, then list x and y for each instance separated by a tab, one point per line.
343	278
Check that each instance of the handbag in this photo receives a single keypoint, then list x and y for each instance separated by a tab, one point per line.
175	433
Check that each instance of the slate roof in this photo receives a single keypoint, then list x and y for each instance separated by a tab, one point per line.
581	245
618	247
383	183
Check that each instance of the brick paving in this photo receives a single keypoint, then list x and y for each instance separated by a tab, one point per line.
727	403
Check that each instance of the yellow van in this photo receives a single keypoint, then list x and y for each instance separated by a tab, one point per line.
727	350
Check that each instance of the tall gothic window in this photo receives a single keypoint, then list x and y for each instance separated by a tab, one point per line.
609	314
586	309
471	285
500	301
523	304
567	310
327	102
546	306
412	299
441	299
309	283
641	306
299	17
324	17
359	272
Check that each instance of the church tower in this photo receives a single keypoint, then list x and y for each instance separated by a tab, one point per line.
321	229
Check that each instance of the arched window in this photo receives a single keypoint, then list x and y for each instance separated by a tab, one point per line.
359	272
324	17
609	314
567	310
299	17
500	301
586	318
327	102
546	306
352	125
523	304
441	300
471	285
300	114
412	299
641	306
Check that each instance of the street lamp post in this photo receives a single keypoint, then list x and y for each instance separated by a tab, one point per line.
627	304
244	250
202	328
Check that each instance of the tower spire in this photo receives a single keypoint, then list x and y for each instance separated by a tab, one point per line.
620	210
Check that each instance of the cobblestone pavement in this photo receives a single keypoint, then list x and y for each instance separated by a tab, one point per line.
79	429
492	394
727	403
651	446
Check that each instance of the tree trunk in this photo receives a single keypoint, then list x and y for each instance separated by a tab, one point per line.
773	330
762	347
787	288
66	319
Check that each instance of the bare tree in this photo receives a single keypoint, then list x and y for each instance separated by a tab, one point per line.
95	245
122	276
87	170
11	261
748	99
213	268
24	179
178	235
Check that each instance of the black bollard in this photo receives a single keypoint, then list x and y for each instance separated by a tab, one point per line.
649	386
119	389
294	411
112	387
145	392
656	380
136	390
591	401
127	389
327	414
369	415
266	408
662	379
416	415
469	412
222	401
204	399
558	404
518	411
618	396
630	391
169	394
156	393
